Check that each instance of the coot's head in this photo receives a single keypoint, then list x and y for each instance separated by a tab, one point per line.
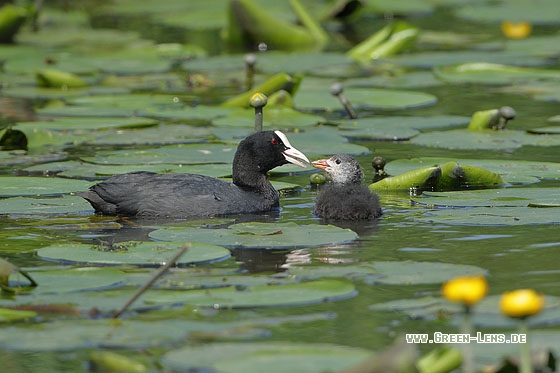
265	150
342	168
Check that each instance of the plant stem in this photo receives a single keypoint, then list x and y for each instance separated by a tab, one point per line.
524	349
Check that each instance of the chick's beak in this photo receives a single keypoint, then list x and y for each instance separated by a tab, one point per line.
320	163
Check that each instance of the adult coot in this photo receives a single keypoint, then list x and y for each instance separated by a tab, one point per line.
147	194
345	198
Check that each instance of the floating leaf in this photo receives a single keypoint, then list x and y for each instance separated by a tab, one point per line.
8	315
305	293
76	280
270	357
417	79
314	94
483	140
146	254
491	73
11	186
428	60
508	197
517	10
260	235
274	117
32	206
396	127
172	154
80	123
412	273
511	171
492	216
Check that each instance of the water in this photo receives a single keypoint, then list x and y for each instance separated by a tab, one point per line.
512	256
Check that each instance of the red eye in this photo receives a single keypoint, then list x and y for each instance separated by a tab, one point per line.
273	141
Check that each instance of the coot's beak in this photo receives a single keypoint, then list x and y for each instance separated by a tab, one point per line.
291	154
320	163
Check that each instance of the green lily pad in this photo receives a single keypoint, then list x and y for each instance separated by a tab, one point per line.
11	186
492	216
270	357
538	90
8	315
68	335
397	127
552	130
491	73
96	171
305	293
38	138
76	280
321	140
80	123
428	60
417	79
32	206
275	117
546	13
314	94
486	313
509	197
145	254
483	140
172	154
260	235
309	63
160	135
390	273
515	172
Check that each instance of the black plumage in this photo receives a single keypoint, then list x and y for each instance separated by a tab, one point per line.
345	198
147	194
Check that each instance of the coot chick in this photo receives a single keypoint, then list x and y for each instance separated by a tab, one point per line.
345	198
147	194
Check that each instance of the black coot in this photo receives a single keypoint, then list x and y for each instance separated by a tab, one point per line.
147	194
345	198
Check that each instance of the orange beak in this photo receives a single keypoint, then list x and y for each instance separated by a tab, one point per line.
320	163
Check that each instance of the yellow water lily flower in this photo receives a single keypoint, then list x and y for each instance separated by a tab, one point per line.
521	303
465	289
516	30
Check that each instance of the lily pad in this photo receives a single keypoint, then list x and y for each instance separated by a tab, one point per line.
482	140
145	254
314	94
11	186
305	293
547	13
310	63
486	313
8	315
509	197
491	73
428	60
260	235
321	140
417	79
389	273
275	117
76	280
270	357
397	127
80	123
515	172
160	135
96	171
172	154
32	206
492	216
